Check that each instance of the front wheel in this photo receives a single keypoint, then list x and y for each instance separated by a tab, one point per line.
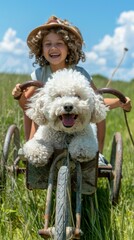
62	204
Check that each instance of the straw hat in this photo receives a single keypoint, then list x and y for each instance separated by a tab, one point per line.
55	22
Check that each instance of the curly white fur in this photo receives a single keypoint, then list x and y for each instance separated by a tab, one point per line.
66	108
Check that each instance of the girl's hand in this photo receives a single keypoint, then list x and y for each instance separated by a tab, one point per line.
127	105
16	92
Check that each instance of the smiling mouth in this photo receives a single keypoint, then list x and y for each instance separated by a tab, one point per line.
54	55
68	120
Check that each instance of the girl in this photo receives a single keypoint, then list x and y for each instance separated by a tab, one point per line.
57	45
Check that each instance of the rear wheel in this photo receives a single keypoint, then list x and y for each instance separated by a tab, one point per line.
62	204
116	162
9	153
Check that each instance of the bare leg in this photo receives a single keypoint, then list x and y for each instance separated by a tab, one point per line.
29	127
101	129
34	128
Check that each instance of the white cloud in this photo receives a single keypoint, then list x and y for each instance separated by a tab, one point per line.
110	50
14	54
12	44
126	18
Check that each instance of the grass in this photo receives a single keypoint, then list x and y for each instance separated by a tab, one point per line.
22	210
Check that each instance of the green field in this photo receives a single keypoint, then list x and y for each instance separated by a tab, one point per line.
21	210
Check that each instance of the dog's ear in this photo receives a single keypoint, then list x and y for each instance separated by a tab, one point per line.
35	108
100	109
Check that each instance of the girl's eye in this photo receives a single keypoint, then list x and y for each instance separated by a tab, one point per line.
60	43
47	44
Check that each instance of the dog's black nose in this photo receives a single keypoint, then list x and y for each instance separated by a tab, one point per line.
68	107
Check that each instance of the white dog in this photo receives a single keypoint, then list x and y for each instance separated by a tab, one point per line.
66	108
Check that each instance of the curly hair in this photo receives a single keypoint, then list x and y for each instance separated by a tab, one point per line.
72	42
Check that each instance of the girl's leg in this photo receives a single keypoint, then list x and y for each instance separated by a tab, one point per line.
33	130
101	129
29	127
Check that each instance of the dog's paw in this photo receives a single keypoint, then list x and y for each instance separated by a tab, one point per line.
38	158
37	154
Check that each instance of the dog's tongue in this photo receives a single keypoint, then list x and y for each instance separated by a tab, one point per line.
68	120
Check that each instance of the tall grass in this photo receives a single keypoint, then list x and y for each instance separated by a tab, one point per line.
21	210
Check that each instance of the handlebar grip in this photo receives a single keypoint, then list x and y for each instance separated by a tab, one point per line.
27	84
112	91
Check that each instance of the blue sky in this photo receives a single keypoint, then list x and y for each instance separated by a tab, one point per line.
107	28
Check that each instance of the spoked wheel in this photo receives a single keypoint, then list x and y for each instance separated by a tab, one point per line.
62	230
10	153
116	162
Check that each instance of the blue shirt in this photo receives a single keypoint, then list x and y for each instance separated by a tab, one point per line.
43	73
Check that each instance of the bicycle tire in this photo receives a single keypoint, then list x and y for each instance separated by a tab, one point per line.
11	145
62	201
116	162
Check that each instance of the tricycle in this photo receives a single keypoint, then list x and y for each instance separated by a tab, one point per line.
65	176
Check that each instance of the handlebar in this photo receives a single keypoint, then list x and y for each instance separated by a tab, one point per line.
27	84
39	84
113	92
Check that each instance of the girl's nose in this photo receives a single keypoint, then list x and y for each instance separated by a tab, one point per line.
53	46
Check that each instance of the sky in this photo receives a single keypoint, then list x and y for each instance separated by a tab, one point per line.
107	28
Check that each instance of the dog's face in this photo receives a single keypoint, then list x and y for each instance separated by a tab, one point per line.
68	110
67	103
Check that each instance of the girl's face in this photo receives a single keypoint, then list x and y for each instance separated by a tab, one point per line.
55	51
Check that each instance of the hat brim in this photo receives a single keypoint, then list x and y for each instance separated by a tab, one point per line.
71	29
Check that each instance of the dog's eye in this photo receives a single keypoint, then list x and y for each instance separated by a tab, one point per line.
78	96
58	96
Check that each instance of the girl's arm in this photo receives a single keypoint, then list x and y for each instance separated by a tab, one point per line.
115	102
29	126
